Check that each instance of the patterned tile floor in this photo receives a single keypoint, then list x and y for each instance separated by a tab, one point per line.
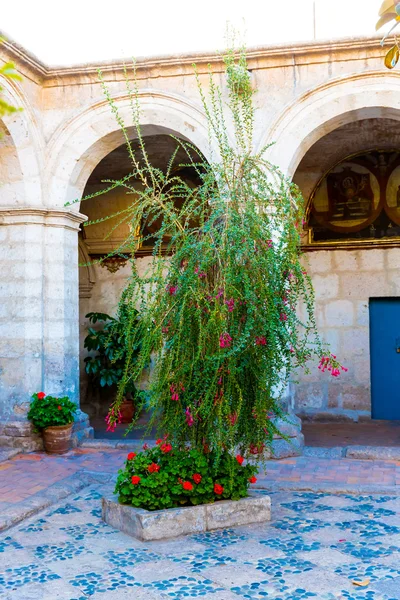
316	546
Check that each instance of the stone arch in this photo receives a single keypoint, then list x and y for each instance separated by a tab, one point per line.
79	145
331	105
22	152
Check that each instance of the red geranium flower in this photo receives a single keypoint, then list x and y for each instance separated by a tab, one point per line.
41	395
187	486
240	459
166	448
218	489
135	479
153	468
253	479
59	407
131	455
197	478
158	442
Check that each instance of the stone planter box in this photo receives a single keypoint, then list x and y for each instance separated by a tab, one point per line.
148	525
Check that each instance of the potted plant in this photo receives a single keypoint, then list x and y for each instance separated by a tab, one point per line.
54	417
105	365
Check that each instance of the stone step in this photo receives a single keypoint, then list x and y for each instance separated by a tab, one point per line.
373	452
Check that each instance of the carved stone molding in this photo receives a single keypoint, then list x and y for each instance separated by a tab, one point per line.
48	217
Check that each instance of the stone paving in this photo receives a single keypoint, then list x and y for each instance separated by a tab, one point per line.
319	546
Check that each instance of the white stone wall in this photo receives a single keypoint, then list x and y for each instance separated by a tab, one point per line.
344	282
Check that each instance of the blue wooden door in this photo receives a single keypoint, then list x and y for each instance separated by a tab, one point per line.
385	357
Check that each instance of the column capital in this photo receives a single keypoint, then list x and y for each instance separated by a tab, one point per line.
40	215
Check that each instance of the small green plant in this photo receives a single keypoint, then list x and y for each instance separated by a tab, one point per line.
48	411
106	367
167	477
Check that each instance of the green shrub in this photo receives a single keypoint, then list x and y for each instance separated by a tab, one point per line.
166	477
47	411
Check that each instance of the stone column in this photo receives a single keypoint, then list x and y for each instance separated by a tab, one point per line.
39	326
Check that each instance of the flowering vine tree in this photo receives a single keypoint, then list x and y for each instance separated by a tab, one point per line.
219	305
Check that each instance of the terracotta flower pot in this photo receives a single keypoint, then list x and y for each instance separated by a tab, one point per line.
57	439
127	411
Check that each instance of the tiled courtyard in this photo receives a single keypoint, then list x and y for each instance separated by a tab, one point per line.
316	546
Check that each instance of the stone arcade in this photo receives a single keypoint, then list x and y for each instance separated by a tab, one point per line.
330	108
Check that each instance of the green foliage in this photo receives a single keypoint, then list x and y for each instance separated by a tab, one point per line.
106	367
171	470
47	411
220	315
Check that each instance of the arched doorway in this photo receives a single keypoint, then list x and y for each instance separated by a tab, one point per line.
109	277
352	239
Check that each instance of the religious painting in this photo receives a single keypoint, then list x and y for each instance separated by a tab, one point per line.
347	198
358	199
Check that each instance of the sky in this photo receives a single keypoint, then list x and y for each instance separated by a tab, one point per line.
65	32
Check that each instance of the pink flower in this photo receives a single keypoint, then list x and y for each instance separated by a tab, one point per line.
225	340
171	289
174	393
220	293
269	243
261	341
189	417
283	317
230	304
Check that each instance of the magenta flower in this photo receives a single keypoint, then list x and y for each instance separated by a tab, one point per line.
220	293
261	341
171	289
230	304
225	340
189	417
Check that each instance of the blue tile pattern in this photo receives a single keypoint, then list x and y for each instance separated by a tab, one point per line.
360	572
266	589
377	499
299	525
306	505
367	528
366	550
34	527
221	538
7	543
287	559
294	544
181	587
67	509
198	562
17	577
279	567
370	510
90	583
131	557
80	532
62	552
